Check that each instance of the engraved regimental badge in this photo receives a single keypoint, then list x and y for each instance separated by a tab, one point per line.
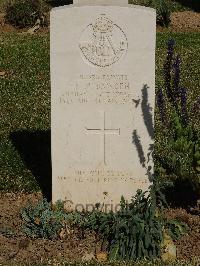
103	42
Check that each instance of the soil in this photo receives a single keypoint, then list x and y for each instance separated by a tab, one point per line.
186	21
189	244
16	247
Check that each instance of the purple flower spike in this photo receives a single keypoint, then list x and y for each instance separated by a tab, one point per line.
184	114
170	47
168	68
176	81
161	104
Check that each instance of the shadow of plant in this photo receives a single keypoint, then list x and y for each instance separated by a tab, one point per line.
146	110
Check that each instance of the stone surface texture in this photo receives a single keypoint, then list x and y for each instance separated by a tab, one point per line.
103	82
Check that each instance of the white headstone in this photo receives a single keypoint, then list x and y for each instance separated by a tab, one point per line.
102	79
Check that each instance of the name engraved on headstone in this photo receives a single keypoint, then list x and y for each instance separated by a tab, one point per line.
99	89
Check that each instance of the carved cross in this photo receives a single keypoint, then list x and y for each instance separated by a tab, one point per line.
104	131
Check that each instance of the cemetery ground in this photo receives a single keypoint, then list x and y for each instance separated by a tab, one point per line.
25	161
25	156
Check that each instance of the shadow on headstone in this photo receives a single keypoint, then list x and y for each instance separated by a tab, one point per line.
192	4
147	111
136	141
147	116
35	149
55	3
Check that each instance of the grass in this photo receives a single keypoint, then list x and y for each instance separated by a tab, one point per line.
188	47
25	105
25	163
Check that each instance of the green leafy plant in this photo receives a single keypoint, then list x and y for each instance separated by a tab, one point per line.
181	154
24	13
135	231
177	142
163	12
41	221
176	228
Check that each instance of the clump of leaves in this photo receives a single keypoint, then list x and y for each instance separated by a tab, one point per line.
135	231
178	147
41	221
24	13
176	228
163	12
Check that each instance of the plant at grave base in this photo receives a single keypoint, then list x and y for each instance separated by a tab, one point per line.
135	231
42	221
176	228
25	13
177	145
